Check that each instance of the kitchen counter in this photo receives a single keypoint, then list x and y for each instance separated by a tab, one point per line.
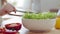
26	31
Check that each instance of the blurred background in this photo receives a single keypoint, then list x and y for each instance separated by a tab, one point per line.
36	6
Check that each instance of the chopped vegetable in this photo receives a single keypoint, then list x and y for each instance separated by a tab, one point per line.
47	15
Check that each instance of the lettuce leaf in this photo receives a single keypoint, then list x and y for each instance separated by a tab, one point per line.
48	15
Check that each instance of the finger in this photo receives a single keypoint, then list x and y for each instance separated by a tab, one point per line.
10	8
14	9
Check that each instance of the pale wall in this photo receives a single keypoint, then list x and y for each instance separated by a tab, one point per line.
42	5
49	4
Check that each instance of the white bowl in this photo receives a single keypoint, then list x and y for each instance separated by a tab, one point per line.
40	25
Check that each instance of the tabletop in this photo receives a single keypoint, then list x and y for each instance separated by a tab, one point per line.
25	30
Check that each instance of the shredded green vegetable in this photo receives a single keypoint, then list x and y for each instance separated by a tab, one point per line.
48	15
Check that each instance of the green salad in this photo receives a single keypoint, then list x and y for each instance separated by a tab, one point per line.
47	15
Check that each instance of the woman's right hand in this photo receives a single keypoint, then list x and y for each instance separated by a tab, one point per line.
7	9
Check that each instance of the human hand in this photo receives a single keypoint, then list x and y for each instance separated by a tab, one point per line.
7	9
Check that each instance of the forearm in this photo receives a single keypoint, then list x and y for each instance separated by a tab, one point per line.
1	13
3	1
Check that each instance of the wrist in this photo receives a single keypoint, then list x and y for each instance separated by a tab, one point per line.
1	12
